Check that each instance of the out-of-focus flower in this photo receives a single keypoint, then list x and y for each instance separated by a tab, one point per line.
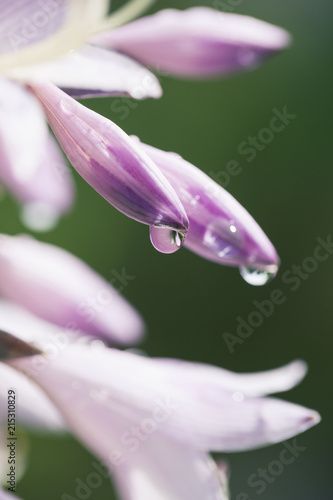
153	422
32	34
36	410
60	288
198	42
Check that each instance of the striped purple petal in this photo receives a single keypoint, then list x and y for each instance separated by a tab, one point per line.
113	164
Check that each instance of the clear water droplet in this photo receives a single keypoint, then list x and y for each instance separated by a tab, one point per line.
259	277
238	396
166	240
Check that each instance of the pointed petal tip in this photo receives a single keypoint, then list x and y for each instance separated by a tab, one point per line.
312	419
12	347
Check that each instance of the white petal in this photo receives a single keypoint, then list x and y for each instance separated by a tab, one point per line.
101	385
92	71
33	407
36	33
248	384
23	132
32	166
60	288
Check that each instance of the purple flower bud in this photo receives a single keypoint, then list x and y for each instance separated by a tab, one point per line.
113	164
198	42
220	229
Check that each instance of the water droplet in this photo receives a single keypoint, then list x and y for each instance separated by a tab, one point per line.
166	240
259	277
247	57
97	344
98	394
238	396
232	227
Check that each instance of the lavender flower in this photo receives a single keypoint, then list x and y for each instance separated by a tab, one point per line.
154	422
197	42
60	288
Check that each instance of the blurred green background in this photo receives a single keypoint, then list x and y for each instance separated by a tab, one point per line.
188	303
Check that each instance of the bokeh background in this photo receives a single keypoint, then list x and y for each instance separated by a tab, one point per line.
188	303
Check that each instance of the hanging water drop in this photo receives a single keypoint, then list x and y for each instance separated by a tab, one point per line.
258	277
166	240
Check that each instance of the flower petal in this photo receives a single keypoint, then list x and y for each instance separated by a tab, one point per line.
21	122
32	167
36	411
197	42
60	288
32	31
194	411
247	384
162	470
220	229
112	163
93	72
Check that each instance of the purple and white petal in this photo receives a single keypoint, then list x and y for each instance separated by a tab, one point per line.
112	163
94	72
198	42
220	229
58	287
32	167
106	385
32	31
